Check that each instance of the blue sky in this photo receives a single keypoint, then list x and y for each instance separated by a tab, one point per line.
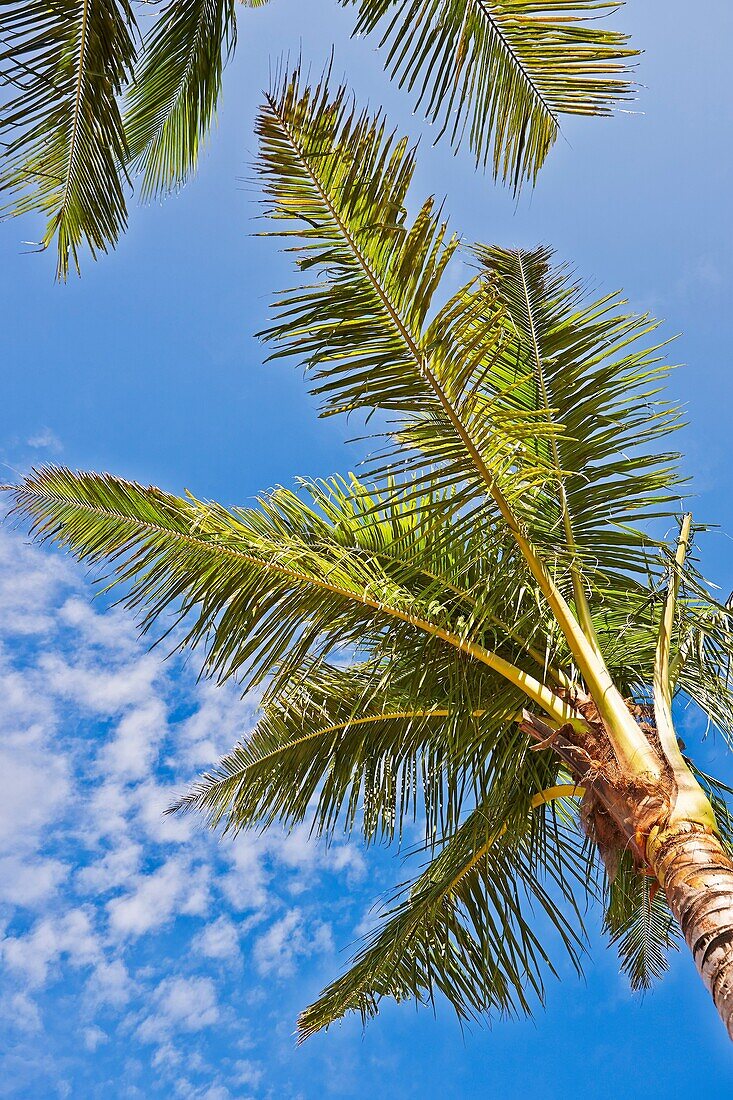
143	957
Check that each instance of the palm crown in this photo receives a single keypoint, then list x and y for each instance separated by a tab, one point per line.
479	632
91	101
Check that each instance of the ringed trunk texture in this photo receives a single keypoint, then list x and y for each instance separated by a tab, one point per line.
697	877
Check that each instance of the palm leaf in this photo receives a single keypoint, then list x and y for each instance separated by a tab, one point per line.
65	145
175	90
258	595
337	182
702	667
462	929
586	365
517	386
373	745
640	925
720	794
502	72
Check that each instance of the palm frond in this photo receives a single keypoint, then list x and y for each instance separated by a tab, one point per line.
337	182
177	83
479	568
247	586
462	929
586	363
640	925
65	146
516	388
702	666
371	746
720	795
502	73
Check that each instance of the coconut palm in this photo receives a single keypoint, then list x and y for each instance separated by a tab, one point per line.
483	636
92	100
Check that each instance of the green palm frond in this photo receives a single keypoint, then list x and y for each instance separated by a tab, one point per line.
337	184
626	620
586	364
463	928
175	89
516	388
703	664
720	795
371	746
480	570
248	586
83	107
501	73
65	148
640	925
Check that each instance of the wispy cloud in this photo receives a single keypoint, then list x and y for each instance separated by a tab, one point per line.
148	929
45	440
289	939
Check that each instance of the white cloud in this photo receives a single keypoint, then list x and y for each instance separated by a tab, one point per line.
220	720
34	953
297	849
22	1012
133	750
94	1037
30	583
112	629
117	867
215	1092
245	886
98	736
152	800
45	439
180	1004
108	808
218	940
167	1056
28	882
28	713
157	897
248	1074
289	938
97	687
109	984
36	784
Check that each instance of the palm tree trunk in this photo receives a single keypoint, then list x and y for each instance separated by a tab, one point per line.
697	877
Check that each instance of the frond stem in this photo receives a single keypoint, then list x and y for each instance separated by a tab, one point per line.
75	122
494	23
690	803
662	679
386	716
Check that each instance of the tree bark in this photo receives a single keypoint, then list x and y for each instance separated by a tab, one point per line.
697	877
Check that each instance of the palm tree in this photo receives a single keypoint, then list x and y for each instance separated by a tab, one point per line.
91	102
484	635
